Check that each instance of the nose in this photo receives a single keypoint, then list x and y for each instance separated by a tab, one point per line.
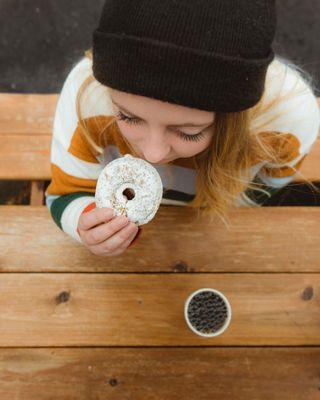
156	148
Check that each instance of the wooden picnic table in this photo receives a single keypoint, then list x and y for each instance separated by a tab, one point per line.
78	326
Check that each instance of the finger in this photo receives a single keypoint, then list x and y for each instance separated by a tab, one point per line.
128	236
134	239
120	249
105	231
95	217
117	240
131	239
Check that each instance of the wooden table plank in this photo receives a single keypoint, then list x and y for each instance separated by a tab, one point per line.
29	154
267	239
160	373
148	309
26	114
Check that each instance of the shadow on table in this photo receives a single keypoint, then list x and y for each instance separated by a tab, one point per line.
18	192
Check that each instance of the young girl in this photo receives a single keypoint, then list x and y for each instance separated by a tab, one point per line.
194	88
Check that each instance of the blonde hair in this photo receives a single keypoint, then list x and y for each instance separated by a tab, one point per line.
223	168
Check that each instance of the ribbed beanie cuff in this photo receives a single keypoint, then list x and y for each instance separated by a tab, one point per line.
141	67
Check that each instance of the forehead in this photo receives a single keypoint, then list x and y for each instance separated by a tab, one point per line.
149	108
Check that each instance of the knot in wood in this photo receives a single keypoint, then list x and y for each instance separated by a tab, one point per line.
63	297
307	294
113	382
180	266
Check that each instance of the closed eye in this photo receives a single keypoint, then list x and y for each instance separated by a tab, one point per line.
187	137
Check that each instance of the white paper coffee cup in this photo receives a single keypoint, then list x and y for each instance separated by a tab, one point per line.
207	312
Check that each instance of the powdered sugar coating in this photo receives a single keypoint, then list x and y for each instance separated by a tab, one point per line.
133	173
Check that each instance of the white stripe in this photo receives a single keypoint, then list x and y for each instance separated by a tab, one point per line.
50	198
274	181
298	114
66	119
73	165
95	101
173	202
71	215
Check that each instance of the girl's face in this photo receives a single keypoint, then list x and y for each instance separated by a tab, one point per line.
160	132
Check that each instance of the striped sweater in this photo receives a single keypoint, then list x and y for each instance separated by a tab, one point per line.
75	166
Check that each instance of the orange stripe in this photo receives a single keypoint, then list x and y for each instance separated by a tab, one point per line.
89	207
102	133
284	171
80	147
63	183
287	145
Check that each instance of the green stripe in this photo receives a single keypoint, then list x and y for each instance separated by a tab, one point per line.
260	197
59	205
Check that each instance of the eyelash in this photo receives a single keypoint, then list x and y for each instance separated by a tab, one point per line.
183	135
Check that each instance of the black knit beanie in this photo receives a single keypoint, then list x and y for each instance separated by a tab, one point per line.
206	54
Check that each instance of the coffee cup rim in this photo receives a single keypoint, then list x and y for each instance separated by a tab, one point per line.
229	312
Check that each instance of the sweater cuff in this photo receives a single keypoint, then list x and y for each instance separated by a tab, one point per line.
71	215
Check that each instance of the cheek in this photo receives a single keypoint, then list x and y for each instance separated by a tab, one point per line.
132	134
129	132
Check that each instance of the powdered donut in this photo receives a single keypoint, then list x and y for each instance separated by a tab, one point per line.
127	177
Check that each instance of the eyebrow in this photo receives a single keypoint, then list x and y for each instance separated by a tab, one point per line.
136	116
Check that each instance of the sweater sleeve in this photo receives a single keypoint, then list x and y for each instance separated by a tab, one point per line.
297	120
74	166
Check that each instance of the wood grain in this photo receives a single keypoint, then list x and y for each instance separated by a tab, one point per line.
61	309
54	293
264	239
25	157
27	114
160	373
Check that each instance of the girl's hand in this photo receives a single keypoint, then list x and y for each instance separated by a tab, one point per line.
105	234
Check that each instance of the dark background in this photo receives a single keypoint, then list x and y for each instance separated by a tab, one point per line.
40	41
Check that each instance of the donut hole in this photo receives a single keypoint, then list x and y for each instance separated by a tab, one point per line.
128	193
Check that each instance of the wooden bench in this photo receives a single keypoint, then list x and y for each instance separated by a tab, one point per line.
77	326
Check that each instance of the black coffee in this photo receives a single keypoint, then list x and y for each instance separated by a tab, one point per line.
207	312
